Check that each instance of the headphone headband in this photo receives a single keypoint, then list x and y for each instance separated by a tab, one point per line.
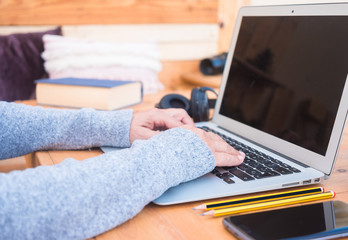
197	107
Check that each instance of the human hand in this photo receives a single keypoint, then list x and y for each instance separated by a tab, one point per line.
224	154
146	124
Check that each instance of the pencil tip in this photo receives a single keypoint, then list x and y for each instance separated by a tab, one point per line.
200	207
211	212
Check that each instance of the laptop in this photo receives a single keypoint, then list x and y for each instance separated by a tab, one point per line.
283	97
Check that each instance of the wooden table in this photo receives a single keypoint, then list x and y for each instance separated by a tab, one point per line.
180	221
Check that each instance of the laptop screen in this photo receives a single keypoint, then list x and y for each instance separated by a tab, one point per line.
287	77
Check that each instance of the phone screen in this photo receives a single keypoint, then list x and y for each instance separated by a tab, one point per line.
312	221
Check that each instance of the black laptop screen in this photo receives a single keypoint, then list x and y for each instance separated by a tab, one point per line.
287	77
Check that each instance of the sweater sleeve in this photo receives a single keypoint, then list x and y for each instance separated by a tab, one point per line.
78	200
25	129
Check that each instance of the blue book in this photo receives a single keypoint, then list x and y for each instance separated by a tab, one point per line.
90	93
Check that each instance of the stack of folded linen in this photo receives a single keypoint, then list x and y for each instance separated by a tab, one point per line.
79	58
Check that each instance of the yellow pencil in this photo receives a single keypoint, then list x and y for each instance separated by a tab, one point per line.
260	198
271	204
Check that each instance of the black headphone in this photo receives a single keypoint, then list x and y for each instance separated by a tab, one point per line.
198	107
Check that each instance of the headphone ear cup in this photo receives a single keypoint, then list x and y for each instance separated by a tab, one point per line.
199	105
174	101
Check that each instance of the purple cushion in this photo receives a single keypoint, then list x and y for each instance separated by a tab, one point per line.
21	64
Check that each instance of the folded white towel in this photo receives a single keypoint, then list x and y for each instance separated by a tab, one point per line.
71	57
58	46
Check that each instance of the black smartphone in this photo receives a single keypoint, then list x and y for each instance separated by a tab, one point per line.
326	220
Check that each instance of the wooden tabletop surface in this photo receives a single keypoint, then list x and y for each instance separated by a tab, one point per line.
180	221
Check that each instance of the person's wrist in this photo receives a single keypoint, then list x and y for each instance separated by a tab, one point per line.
186	149
111	128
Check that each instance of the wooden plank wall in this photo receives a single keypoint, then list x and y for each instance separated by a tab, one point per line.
217	15
52	12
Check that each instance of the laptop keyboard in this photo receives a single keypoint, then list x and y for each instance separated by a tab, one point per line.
256	165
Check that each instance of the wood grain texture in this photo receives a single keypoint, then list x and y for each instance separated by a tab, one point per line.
171	74
43	158
65	12
197	78
176	42
180	55
180	221
8	165
227	15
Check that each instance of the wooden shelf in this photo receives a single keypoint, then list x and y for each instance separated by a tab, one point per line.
197	78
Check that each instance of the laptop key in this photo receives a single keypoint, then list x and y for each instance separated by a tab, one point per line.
252	155
219	175
261	160
227	175
248	160
293	169
266	174
284	165
271	165
227	168
264	169
238	148
244	167
282	170
241	175
252	172
228	180
255	165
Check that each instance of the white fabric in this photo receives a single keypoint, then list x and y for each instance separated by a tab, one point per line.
71	57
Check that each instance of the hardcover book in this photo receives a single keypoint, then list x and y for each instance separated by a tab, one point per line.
91	93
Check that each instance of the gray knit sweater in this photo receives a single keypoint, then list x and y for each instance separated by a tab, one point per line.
81	199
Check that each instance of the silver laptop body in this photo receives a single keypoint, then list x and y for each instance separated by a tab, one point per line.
284	93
